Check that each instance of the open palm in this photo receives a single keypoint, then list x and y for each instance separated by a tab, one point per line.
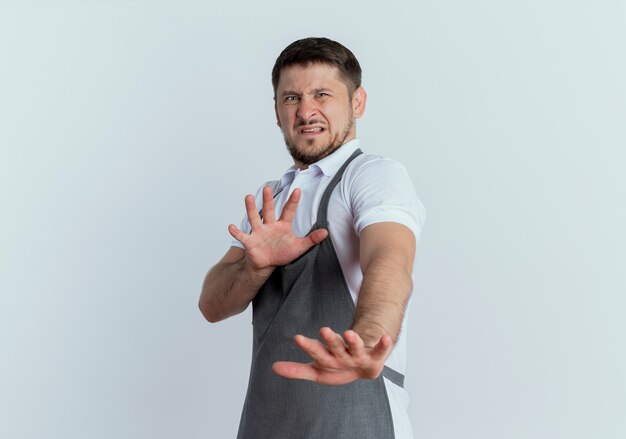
340	361
271	242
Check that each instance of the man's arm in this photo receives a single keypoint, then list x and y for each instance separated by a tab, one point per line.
386	254
230	285
387	251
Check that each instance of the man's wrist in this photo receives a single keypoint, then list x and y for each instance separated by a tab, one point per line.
368	341
257	276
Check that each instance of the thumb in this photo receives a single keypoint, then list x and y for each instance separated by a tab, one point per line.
317	236
382	348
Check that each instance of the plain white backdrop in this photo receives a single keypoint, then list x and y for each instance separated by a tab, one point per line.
130	132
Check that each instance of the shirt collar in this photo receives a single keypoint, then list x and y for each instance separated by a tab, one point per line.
329	165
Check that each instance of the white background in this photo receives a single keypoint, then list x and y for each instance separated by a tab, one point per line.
130	132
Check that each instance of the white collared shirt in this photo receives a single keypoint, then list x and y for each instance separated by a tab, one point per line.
373	189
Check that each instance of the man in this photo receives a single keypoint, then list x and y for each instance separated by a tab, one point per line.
325	254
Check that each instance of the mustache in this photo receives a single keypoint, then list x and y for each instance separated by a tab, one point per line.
309	122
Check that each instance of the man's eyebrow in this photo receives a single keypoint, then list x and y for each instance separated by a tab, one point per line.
290	93
314	91
320	90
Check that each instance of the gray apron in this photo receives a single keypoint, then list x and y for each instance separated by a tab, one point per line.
300	298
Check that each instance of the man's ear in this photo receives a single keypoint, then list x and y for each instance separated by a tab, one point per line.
359	99
276	113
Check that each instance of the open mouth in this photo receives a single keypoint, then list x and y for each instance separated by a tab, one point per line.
311	131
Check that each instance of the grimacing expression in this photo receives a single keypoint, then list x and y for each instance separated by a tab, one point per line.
315	111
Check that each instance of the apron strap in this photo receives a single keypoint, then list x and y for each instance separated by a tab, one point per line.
395	377
322	213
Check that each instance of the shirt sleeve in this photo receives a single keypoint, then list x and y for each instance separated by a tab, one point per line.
382	191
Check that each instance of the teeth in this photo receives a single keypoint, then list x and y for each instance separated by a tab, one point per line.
312	130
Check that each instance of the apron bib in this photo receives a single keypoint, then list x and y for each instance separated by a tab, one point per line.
300	298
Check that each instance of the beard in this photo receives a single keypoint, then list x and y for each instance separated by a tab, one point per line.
308	158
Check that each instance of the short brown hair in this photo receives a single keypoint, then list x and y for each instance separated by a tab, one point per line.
319	50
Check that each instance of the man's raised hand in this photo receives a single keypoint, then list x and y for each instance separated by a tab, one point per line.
341	361
271	243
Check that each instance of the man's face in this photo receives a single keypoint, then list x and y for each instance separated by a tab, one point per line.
315	111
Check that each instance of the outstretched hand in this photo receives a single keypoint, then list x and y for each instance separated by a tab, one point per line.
340	361
271	242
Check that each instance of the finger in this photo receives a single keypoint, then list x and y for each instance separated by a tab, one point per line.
315	349
335	344
310	372
312	239
336	376
316	236
238	234
356	347
289	209
253	214
289	369
268	205
382	348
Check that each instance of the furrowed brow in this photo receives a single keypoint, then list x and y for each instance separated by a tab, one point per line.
289	93
321	90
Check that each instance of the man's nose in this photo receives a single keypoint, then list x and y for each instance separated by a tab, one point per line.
306	109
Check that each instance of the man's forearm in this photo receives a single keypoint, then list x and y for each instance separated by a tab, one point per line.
382	300
387	253
229	287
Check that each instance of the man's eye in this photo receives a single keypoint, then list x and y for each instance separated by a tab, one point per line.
291	98
323	95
